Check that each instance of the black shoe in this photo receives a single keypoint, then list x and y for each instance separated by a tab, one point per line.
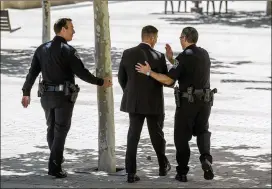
181	178
60	174
165	170
207	168
56	170
132	178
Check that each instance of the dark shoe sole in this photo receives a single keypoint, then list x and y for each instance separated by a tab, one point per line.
57	175
165	173
208	171
130	181
181	179
162	174
136	178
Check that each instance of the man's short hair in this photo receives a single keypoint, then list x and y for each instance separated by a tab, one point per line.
149	30
191	34
62	22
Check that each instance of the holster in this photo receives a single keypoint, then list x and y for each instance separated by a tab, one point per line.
207	95
177	96
41	88
212	95
72	90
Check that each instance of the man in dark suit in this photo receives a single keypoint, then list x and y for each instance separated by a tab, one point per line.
143	98
192	70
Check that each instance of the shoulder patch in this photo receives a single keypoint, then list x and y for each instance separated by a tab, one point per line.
176	63
189	51
76	55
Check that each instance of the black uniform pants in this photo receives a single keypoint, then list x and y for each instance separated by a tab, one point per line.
155	126
191	119
58	113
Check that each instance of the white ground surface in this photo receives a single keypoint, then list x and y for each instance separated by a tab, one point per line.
240	121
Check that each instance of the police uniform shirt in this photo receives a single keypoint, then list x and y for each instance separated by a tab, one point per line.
58	62
191	68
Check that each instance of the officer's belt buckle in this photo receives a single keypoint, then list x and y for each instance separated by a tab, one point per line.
60	87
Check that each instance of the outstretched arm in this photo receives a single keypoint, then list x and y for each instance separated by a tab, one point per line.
162	78
79	69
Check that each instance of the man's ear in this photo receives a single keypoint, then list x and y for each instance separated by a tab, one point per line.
62	29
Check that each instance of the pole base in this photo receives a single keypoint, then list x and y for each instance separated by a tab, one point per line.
197	10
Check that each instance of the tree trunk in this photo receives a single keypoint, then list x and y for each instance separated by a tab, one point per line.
2	5
268	7
46	21
106	133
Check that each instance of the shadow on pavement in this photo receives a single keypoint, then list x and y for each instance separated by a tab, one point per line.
17	62
74	6
255	19
232	169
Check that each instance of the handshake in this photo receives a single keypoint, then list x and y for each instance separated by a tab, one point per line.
107	82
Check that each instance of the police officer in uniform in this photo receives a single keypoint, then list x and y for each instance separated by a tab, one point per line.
59	63
192	70
143	98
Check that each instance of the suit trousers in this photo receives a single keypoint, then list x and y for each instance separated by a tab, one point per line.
58	113
191	119
155	128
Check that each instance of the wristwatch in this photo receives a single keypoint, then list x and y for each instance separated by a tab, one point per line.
148	73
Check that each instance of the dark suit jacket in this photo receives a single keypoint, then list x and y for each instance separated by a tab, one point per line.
142	94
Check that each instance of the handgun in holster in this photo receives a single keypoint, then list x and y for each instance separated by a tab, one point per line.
190	91
209	95
72	90
41	87
177	96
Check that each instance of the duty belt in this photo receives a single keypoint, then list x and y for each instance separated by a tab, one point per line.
68	88
198	92
207	95
54	88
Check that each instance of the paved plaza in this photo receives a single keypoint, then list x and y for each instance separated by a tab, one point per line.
239	44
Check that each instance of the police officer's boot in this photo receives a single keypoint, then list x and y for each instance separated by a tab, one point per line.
181	178
56	170
132	177
207	168
163	171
